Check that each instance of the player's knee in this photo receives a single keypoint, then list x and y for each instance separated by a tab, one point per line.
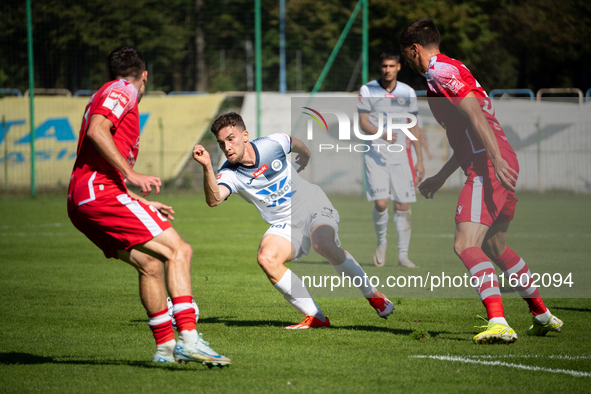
493	250
152	268
459	247
381	205
402	207
183	252
324	248
266	261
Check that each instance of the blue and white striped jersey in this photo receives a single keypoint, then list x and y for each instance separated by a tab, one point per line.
272	184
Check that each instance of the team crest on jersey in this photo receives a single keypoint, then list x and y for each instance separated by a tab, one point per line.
276	165
454	84
401	100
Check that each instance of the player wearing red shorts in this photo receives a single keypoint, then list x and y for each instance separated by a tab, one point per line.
487	202
127	226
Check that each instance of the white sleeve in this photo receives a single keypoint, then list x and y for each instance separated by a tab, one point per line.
228	179
364	103
414	106
284	140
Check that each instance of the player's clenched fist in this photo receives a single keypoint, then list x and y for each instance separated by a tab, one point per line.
201	155
430	186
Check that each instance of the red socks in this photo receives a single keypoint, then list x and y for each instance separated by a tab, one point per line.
161	325
184	313
514	267
481	268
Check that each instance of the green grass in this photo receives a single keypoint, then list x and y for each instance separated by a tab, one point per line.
71	321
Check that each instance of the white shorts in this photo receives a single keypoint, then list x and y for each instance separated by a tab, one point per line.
389	181
299	234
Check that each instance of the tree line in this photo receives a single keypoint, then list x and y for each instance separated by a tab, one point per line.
208	45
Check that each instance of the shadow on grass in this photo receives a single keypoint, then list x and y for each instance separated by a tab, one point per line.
13	358
398	331
282	324
572	309
326	263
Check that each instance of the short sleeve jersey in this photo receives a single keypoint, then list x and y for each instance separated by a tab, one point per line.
93	176
448	82
376	100
272	184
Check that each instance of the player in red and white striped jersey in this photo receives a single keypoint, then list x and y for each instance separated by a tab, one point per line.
125	225
487	202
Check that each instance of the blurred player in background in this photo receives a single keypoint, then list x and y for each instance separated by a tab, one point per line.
299	213
125	225
487	202
390	175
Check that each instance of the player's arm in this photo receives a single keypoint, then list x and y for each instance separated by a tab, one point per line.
214	194
368	128
470	108
303	152
165	210
418	143
99	132
431	185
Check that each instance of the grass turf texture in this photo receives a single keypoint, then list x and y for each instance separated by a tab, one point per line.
72	320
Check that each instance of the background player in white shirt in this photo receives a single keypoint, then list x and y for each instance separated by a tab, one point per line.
299	213
390	175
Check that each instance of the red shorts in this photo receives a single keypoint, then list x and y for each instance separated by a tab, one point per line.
118	222
483	199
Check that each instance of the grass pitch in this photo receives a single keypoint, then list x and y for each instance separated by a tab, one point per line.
71	321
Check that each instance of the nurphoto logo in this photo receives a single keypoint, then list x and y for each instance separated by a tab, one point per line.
394	121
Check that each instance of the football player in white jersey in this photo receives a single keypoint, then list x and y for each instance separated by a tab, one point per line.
299	213
390	172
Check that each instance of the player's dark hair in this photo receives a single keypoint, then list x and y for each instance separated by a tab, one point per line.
422	32
126	62
389	54
229	119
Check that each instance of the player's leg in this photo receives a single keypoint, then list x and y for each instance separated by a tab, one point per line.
176	254
515	267
403	192
380	224
377	190
153	296
403	229
274	251
325	242
467	245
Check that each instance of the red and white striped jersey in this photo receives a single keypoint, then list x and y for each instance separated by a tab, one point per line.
448	82
93	174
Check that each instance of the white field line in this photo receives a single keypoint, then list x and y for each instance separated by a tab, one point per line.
552	356
469	360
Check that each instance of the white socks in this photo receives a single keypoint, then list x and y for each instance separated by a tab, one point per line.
380	223
544	317
166	348
351	268
295	292
402	219
498	320
188	336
